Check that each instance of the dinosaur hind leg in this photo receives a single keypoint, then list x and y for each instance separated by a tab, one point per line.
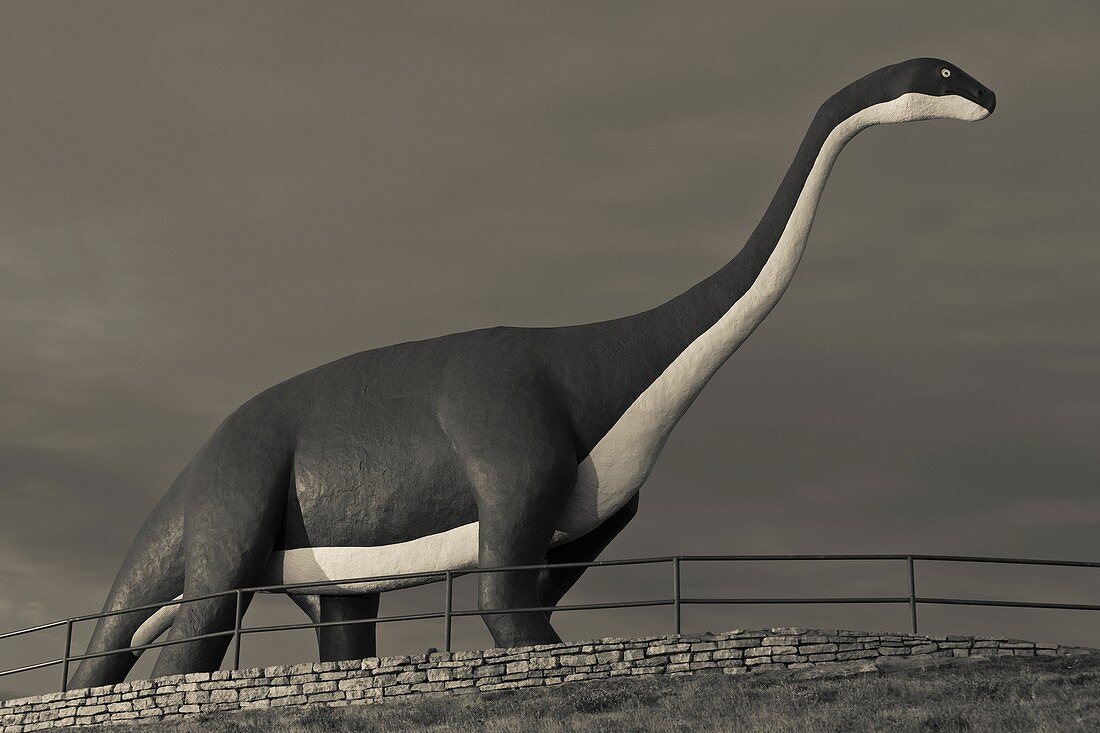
337	643
235	504
151	573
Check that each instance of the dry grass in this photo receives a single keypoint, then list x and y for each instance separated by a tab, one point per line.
1003	694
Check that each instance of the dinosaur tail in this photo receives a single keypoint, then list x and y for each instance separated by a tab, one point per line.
155	625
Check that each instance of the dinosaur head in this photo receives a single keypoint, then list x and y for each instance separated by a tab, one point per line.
918	89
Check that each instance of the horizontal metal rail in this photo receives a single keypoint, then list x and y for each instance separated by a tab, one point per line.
1009	561
32	629
574	607
30	667
449	613
153	645
932	558
790	601
754	558
327	624
1008	604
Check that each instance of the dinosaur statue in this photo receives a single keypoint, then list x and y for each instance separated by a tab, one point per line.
496	447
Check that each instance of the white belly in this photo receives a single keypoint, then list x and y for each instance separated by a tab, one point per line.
602	488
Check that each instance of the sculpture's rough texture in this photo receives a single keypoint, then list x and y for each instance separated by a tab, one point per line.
389	678
498	447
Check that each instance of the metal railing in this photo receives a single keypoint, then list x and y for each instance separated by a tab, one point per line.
448	614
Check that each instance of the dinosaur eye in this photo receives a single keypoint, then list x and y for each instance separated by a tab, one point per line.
945	73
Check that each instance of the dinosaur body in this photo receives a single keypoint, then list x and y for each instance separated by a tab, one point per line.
497	447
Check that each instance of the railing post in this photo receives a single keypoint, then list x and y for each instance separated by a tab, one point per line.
912	594
447	615
65	658
237	615
676	591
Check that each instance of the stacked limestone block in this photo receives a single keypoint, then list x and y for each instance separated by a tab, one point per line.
377	679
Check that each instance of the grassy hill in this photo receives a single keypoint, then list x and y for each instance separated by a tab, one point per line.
1001	694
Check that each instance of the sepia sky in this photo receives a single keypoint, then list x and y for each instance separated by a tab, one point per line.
198	200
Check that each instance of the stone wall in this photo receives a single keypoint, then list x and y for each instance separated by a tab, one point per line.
376	679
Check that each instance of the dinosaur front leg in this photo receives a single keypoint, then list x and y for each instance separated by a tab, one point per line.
518	453
554	583
514	536
518	508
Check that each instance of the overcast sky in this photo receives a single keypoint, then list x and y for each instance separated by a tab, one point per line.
199	200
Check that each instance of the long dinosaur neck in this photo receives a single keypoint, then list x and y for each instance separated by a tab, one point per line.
671	351
765	265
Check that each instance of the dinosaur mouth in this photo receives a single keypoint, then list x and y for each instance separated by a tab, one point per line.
982	97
